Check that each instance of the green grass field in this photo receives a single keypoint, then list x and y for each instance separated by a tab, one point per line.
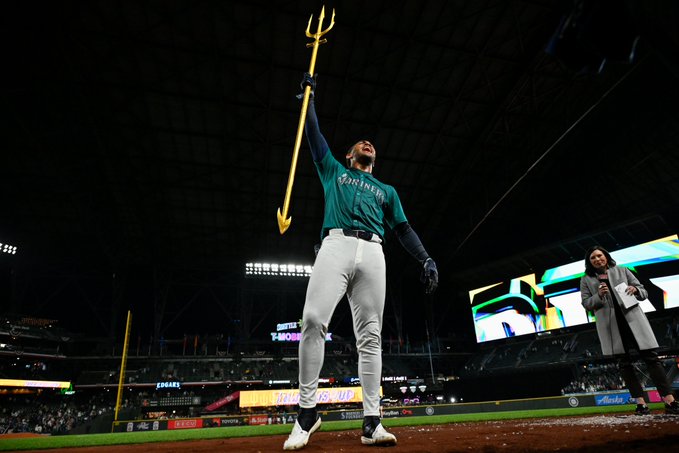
92	440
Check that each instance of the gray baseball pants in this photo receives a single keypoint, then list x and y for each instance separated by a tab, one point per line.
355	267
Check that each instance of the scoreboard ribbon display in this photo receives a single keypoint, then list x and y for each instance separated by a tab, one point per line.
34	384
290	397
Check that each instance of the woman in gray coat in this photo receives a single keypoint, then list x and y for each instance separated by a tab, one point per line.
622	325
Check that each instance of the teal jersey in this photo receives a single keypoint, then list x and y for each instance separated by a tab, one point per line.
356	200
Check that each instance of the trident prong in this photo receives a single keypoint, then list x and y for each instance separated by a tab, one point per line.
283	219
320	32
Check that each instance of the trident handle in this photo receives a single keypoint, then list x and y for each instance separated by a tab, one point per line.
283	219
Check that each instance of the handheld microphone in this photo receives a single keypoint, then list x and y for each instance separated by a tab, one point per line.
603	281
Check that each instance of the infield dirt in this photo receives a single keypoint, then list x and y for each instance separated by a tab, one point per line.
619	433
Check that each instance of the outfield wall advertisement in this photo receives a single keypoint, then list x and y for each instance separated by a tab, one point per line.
555	402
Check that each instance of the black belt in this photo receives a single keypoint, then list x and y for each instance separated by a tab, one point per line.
360	234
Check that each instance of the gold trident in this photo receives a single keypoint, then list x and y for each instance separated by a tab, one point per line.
283	219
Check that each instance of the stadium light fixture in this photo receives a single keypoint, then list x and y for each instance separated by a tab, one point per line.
277	270
8	248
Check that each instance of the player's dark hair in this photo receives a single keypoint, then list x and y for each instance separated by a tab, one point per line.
589	269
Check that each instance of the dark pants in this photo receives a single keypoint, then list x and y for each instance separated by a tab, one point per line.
655	369
649	356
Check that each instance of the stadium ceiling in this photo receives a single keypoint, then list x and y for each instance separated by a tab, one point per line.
159	134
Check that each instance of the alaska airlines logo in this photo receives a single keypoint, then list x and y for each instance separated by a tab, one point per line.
609	400
345	179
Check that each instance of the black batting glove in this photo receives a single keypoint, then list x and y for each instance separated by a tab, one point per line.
307	80
429	276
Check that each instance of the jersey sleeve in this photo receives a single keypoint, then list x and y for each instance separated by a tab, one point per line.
317	143
327	168
394	214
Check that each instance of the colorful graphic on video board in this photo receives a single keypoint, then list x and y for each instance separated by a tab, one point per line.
290	397
523	306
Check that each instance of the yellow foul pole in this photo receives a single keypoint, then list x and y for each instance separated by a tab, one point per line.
283	219
123	364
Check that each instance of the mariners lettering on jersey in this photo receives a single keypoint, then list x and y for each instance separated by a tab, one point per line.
345	179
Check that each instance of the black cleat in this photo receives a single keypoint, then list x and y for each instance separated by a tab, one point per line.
307	418
642	409
672	408
306	424
375	434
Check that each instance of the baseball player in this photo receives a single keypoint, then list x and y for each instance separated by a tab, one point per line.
350	261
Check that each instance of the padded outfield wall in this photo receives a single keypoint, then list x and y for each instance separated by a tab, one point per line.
557	402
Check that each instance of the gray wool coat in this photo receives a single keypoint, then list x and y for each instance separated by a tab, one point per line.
606	324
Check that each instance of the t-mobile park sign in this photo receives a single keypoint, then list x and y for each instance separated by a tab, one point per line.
282	335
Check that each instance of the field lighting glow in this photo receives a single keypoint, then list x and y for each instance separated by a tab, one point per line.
7	248
277	270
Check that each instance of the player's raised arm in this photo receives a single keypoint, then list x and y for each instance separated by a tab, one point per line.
317	143
411	242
